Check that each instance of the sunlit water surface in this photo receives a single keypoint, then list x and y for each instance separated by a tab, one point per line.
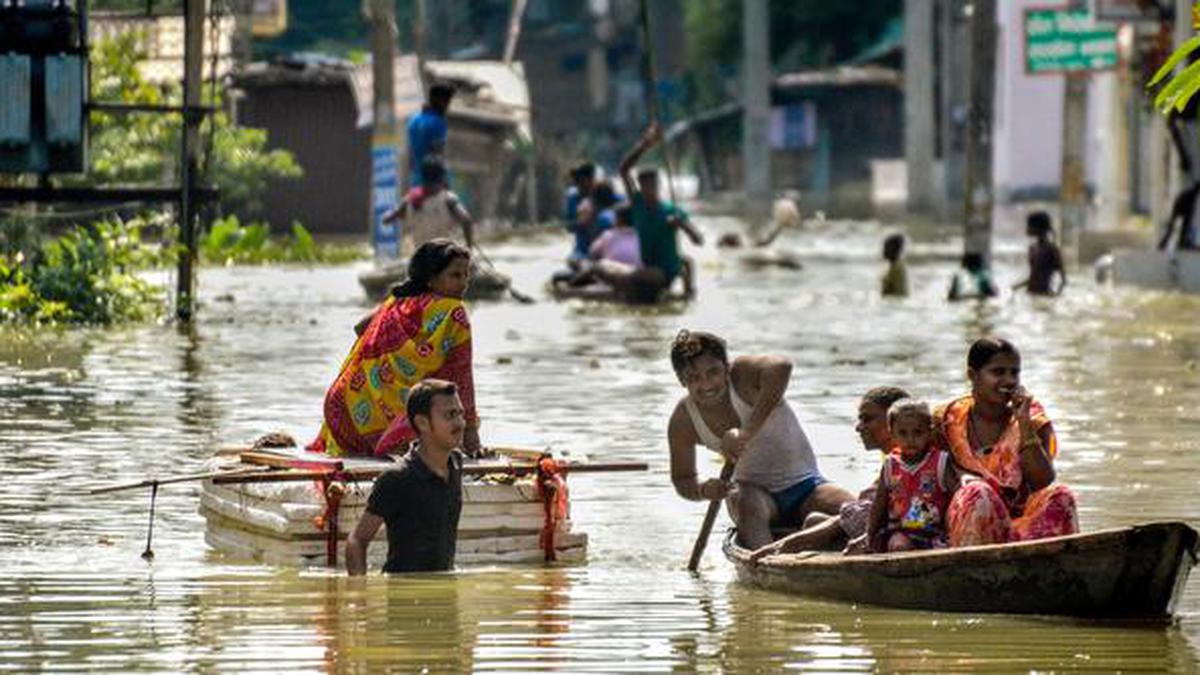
1117	369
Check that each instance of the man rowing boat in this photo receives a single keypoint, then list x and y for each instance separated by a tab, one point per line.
738	409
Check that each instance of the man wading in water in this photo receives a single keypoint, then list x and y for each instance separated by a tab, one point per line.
738	410
419	500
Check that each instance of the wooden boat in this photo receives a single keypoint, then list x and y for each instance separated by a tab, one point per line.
288	523
486	283
599	292
1124	572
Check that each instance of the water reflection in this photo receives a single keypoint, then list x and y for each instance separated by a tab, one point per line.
1117	370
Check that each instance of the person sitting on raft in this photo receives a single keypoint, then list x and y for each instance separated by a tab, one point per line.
1001	433
915	485
656	222
583	179
739	411
431	210
615	252
849	527
419	331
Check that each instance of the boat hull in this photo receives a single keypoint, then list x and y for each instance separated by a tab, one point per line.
1132	572
486	284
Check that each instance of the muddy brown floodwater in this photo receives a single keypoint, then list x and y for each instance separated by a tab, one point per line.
1117	369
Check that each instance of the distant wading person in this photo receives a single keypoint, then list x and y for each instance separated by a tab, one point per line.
419	500
1001	433
895	279
1045	258
738	409
419	331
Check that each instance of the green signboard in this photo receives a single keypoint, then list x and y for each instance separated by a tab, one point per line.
1067	41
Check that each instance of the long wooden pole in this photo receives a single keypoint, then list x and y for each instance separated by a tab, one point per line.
354	475
151	482
710	517
652	93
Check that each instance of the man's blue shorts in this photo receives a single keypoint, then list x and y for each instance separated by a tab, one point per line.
788	500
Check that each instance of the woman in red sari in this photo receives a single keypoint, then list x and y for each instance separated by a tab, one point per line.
999	432
420	331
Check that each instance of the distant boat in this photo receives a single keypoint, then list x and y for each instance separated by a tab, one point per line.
1128	572
486	283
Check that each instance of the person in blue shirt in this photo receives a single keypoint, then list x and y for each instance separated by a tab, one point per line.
427	130
583	180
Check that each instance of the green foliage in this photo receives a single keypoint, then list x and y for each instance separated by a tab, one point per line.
144	148
228	242
86	276
1176	92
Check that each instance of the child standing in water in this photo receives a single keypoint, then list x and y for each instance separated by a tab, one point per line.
915	485
895	279
1045	258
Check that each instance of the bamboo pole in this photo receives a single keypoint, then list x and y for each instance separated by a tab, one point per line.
151	482
355	475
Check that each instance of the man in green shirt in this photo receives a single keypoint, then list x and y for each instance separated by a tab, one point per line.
656	222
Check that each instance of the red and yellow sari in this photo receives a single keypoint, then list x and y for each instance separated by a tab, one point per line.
1001	507
408	340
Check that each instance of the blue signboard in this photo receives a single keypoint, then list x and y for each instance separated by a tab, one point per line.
385	237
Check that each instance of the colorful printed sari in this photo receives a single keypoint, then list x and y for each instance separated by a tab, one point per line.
1001	507
408	340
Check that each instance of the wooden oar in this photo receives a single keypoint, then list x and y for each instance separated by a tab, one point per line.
706	527
361	474
151	482
520	297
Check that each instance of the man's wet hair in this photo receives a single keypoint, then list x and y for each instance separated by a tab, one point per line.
908	406
690	345
603	195
420	398
985	349
433	170
584	171
884	397
1038	222
893	246
648	173
624	214
441	90
973	262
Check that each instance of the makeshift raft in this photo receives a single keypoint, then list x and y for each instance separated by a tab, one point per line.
300	512
486	283
598	292
1129	572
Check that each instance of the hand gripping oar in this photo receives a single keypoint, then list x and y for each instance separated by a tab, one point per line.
710	517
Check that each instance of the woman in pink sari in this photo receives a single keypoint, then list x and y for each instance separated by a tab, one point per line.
1000	433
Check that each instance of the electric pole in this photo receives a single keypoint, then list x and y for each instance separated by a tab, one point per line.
977	235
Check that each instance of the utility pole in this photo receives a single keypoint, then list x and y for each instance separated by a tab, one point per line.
756	109
1072	194
977	236
918	103
953	73
385	159
193	60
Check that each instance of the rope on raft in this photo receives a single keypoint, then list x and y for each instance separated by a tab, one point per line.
652	94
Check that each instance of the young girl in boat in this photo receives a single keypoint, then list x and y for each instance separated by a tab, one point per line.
915	485
420	331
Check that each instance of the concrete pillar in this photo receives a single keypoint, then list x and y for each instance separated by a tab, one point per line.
918	103
980	197
952	40
756	109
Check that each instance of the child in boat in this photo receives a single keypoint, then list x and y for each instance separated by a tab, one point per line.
915	485
895	280
431	211
1045	258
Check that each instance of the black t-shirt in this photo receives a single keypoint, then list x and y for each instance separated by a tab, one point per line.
421	512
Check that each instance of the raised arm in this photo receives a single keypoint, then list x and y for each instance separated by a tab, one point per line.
681	438
652	135
765	379
356	543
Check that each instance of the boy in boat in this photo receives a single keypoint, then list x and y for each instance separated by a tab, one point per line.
1045	258
656	222
615	253
427	131
421	498
583	179
895	279
431	211
847	529
915	486
738	409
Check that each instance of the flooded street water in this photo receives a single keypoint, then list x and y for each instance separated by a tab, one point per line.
1118	370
